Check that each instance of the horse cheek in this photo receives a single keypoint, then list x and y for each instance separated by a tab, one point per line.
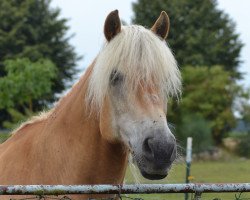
107	129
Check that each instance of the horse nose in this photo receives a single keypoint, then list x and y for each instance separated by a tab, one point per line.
160	151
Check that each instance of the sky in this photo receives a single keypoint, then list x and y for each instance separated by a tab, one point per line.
86	19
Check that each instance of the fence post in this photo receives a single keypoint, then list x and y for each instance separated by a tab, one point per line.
188	161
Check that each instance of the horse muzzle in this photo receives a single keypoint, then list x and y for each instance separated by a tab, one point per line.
156	154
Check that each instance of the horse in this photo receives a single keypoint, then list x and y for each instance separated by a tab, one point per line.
116	109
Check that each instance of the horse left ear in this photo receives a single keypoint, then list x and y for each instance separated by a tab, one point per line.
161	26
112	25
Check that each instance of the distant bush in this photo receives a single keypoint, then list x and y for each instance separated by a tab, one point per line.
243	148
237	134
199	129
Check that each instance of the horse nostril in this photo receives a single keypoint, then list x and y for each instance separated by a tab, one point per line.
148	146
159	150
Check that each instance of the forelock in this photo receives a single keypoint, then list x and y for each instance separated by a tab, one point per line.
140	56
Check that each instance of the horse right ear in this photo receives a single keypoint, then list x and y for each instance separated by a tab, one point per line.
112	25
161	26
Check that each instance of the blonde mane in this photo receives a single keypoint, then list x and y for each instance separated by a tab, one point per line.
140	56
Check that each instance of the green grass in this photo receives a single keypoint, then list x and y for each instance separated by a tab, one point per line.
237	170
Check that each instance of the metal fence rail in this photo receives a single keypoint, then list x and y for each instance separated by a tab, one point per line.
123	189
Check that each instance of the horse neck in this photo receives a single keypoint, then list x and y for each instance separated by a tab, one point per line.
96	159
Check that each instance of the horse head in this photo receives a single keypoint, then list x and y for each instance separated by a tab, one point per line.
133	76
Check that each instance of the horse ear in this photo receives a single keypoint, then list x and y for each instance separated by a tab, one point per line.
112	25
161	26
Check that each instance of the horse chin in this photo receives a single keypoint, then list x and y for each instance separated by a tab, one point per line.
150	174
153	176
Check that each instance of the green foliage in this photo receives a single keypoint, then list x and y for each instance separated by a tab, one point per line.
32	29
25	81
209	93
199	129
243	148
243	107
236	134
245	113
16	118
3	137
200	33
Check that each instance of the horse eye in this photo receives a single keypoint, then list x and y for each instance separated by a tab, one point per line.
116	78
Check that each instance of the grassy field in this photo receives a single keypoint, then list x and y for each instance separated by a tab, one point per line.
237	170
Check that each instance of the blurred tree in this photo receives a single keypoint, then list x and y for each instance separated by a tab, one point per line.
209	93
243	148
17	118
31	29
25	82
246	115
200	34
195	126
243	107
